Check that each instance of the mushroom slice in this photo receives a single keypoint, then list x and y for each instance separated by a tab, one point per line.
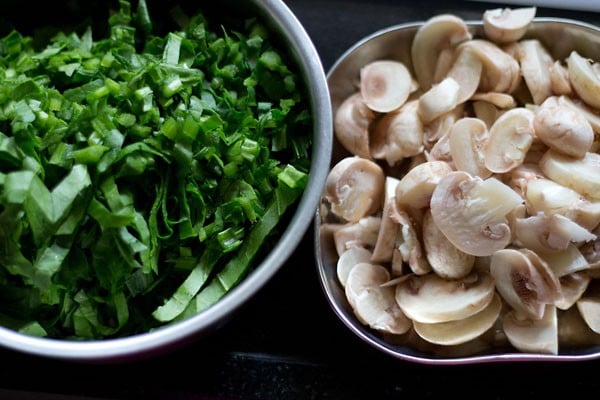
511	136
574	330
550	233
501	71
572	287
388	231
584	80
589	113
444	258
348	259
432	299
467	141
385	85
505	25
440	32
362	233
471	212
398	134
416	187
563	129
408	244
373	304
485	111
589	307
524	281
559	79
439	99
463	330
536	63
355	187
549	197
500	100
466	71
351	125
581	175
530	335
565	262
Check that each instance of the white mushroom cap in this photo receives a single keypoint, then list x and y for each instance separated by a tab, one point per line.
436	34
432	299
461	331
385	85
351	125
471	212
355	187
534	336
505	25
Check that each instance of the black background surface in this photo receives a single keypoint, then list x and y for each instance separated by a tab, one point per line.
287	343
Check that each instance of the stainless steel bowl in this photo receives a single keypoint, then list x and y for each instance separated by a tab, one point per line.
284	24
560	36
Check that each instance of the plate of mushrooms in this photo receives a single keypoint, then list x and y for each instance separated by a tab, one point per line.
460	218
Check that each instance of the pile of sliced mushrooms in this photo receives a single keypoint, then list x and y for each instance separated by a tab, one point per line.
467	210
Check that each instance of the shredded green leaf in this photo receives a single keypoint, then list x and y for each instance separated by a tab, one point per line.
144	172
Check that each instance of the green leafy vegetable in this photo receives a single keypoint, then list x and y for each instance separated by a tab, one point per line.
141	173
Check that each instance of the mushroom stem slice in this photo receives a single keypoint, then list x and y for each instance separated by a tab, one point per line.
385	85
463	330
440	99
471	212
531	335
505	25
432	299
436	34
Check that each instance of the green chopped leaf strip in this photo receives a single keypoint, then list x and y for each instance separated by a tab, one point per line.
142	173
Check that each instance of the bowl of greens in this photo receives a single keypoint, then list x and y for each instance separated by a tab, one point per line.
158	165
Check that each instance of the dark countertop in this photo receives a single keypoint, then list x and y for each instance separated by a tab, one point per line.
287	343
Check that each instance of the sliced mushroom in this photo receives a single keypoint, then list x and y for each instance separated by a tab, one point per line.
524	281
581	175
436	34
373	304
408	243
445	259
559	79
536	63
500	100
501	72
437	130
545	195
468	137
416	187
351	125
565	262
362	233
398	134
355	187
461	331
511	136
486	111
471	212
573	330
385	85
432	299
441	98
348	259
585	81
572	287
563	129
589	307
550	233
389	229
505	25
533	335
588	112
466	71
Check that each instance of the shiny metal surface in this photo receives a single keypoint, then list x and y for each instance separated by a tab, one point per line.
560	36
282	20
